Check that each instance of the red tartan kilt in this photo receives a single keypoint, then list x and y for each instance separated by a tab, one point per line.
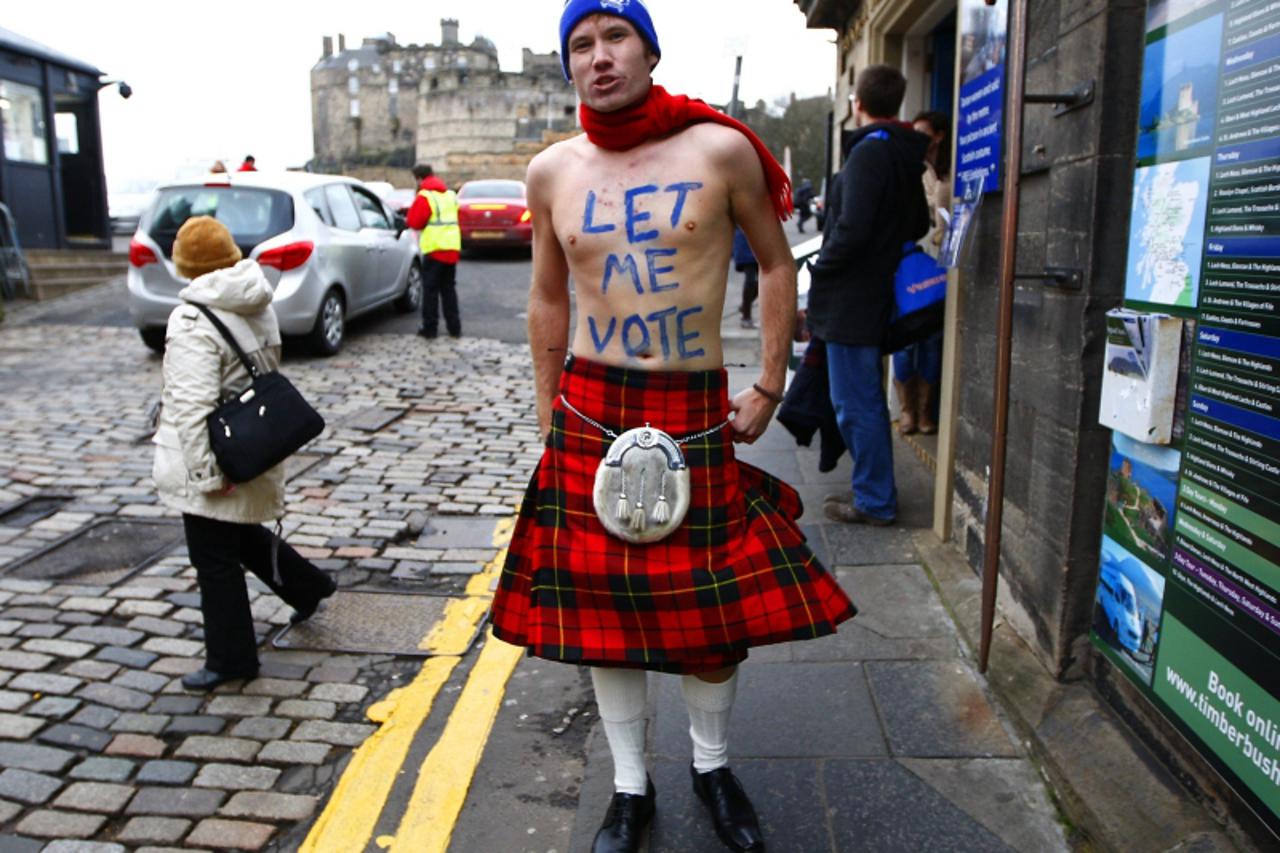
737	573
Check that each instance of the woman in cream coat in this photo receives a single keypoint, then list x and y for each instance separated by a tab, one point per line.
223	521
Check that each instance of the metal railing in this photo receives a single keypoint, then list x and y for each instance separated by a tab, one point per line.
13	265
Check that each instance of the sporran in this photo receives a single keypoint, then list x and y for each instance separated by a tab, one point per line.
642	490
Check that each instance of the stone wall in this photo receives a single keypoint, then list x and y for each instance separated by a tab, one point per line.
1074	212
386	104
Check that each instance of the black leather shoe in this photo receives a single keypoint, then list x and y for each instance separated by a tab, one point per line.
207	679
302	614
735	819
625	822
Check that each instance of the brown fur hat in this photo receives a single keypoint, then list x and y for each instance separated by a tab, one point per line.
203	245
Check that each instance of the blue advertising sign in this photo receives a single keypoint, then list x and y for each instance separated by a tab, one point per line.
979	128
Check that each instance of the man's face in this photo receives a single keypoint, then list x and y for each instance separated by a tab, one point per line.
610	63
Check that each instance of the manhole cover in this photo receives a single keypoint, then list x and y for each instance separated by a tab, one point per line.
30	510
105	552
391	623
453	532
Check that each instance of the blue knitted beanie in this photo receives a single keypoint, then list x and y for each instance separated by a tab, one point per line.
633	11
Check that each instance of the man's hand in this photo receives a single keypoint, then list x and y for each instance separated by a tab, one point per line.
752	413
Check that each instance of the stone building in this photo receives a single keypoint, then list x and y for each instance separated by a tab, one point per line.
380	107
1075	201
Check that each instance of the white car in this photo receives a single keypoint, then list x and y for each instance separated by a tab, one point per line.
331	249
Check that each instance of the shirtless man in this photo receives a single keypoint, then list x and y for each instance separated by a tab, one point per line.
640	212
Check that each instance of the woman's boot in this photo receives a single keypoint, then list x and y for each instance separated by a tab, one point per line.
924	406
906	406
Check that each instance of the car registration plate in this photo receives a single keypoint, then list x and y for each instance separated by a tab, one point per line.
487	235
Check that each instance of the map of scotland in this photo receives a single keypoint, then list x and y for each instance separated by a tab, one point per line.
1166	232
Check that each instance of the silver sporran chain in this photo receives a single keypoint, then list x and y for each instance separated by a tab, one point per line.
640	463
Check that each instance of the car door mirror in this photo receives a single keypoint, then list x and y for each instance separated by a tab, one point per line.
401	224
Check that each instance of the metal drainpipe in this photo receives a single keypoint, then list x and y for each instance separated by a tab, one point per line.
1004	333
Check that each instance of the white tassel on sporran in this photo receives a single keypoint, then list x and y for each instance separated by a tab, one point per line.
662	510
638	520
623	510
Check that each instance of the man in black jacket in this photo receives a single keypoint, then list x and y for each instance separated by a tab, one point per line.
876	205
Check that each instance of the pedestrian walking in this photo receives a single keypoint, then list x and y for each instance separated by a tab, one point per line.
223	521
642	543
804	201
434	212
744	261
875	206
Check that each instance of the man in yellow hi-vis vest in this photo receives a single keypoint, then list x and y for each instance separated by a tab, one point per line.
435	214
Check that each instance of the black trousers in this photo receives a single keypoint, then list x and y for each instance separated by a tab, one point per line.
220	551
439	291
750	288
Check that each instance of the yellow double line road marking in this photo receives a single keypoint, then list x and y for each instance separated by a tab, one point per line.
353	811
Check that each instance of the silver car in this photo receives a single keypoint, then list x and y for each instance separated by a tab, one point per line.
330	248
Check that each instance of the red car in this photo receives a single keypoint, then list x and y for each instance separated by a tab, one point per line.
494	213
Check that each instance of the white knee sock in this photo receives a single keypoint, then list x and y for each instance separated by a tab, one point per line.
621	695
709	708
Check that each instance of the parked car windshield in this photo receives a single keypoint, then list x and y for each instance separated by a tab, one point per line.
251	214
492	189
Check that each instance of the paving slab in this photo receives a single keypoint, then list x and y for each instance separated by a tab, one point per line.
836	716
787	795
937	709
1007	796
879	805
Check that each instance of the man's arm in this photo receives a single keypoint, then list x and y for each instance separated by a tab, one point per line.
865	175
752	211
548	294
419	213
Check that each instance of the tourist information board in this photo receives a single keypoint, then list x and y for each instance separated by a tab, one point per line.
1188	596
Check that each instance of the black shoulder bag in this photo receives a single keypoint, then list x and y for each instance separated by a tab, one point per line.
257	429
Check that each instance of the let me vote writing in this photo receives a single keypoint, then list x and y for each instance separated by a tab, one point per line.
650	270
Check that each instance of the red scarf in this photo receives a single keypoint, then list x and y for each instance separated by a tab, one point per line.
659	114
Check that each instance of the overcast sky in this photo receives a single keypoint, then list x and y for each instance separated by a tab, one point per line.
233	77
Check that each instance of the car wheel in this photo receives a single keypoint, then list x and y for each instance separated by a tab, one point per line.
331	324
410	302
153	337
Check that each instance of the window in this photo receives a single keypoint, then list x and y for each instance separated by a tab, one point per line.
25	132
492	189
67	129
250	214
371	212
315	198
355	108
342	208
429	63
353	85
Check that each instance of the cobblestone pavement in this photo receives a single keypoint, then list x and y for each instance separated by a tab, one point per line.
98	741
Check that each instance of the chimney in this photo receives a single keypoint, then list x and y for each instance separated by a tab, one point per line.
448	31
342	43
328	47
